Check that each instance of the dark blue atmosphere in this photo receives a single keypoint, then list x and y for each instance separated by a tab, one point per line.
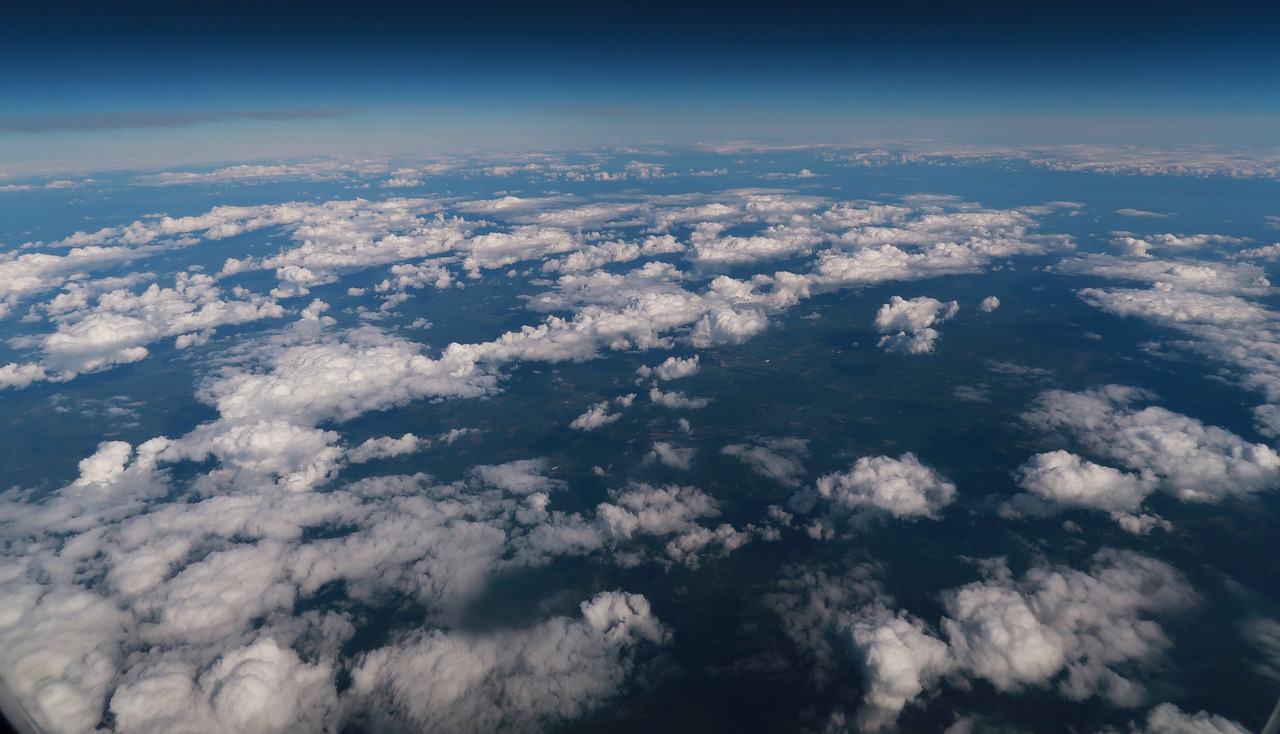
568	368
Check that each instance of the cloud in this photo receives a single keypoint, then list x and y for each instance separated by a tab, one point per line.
1072	627
912	320
401	182
260	688
1058	480
1266	252
57	665
1170	308
519	680
1066	479
341	377
385	447
522	477
1080	631
874	488
1141	213
117	328
1207	303
230	569
900	661
989	304
1191	275
1141	247
920	342
728	326
913	315
596	416
673	368
50	185
316	171
1169	719
1118	160
1192	461
709	246
811	602
669	455
780	459
676	400
666	512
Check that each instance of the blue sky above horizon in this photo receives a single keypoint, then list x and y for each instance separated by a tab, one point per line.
145	85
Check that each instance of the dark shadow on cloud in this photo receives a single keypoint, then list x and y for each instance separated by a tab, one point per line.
88	122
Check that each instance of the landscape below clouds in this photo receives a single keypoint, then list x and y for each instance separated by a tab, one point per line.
803	439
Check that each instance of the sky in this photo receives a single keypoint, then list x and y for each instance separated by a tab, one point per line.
146	85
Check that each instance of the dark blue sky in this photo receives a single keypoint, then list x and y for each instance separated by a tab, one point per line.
252	78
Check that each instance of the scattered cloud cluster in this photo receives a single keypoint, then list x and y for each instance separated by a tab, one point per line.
522	680
1142	246
225	577
1178	454
1217	307
1082	632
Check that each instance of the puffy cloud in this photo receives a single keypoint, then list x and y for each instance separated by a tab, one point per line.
1267	252
523	477
673	368
812	602
1171	308
780	459
116	328
676	400
1081	631
669	512
989	304
912	320
59	649
913	315
877	487
1204	302
384	447
340	378
900	660
1059	480
591	257
517	680
919	342
708	246
187	560
409	276
1072	627
1141	246
728	326
22	375
669	455
596	416
1190	275
1169	719
1192	461
217	597
260	689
